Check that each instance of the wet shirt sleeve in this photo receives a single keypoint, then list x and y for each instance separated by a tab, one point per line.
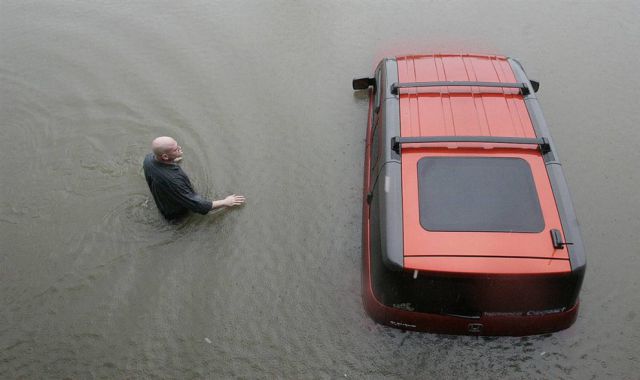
182	193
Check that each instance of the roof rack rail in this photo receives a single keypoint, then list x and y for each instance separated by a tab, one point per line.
524	89
542	142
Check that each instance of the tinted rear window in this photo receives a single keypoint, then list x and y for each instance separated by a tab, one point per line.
478	194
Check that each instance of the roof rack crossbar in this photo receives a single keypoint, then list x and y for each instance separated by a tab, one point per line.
542	142
524	89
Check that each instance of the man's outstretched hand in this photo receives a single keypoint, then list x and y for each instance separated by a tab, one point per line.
230	201
234	200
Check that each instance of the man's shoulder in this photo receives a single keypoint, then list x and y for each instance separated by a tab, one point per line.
160	170
151	166
149	161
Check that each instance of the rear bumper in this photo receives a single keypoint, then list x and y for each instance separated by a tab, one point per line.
486	325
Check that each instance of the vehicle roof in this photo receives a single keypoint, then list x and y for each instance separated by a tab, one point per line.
470	111
457	111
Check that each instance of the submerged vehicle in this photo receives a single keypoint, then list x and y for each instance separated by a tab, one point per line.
468	226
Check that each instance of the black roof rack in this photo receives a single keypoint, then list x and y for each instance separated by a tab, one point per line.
542	142
524	89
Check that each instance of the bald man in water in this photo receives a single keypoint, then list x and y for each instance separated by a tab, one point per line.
170	186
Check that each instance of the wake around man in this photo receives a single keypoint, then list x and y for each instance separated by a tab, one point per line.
170	186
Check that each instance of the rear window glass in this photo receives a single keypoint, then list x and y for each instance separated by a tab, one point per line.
478	194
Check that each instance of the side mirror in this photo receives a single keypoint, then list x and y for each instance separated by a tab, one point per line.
363	83
535	84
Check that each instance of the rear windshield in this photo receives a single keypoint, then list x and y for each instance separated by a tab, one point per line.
478	194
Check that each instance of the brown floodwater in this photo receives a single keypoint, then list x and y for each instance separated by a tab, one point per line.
94	284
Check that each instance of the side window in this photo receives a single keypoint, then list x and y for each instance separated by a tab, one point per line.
376	125
375	149
379	89
376	152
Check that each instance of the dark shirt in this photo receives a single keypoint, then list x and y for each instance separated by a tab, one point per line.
171	189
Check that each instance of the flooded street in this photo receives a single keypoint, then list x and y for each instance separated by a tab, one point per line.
95	284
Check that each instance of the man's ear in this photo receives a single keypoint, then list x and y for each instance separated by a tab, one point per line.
164	156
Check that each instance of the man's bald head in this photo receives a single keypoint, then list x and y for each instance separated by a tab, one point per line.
162	144
166	149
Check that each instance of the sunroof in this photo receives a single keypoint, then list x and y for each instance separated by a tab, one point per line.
478	194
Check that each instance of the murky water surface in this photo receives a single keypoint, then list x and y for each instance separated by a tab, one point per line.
94	284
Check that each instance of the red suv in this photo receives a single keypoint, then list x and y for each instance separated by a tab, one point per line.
468	227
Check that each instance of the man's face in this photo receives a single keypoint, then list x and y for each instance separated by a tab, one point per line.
173	152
